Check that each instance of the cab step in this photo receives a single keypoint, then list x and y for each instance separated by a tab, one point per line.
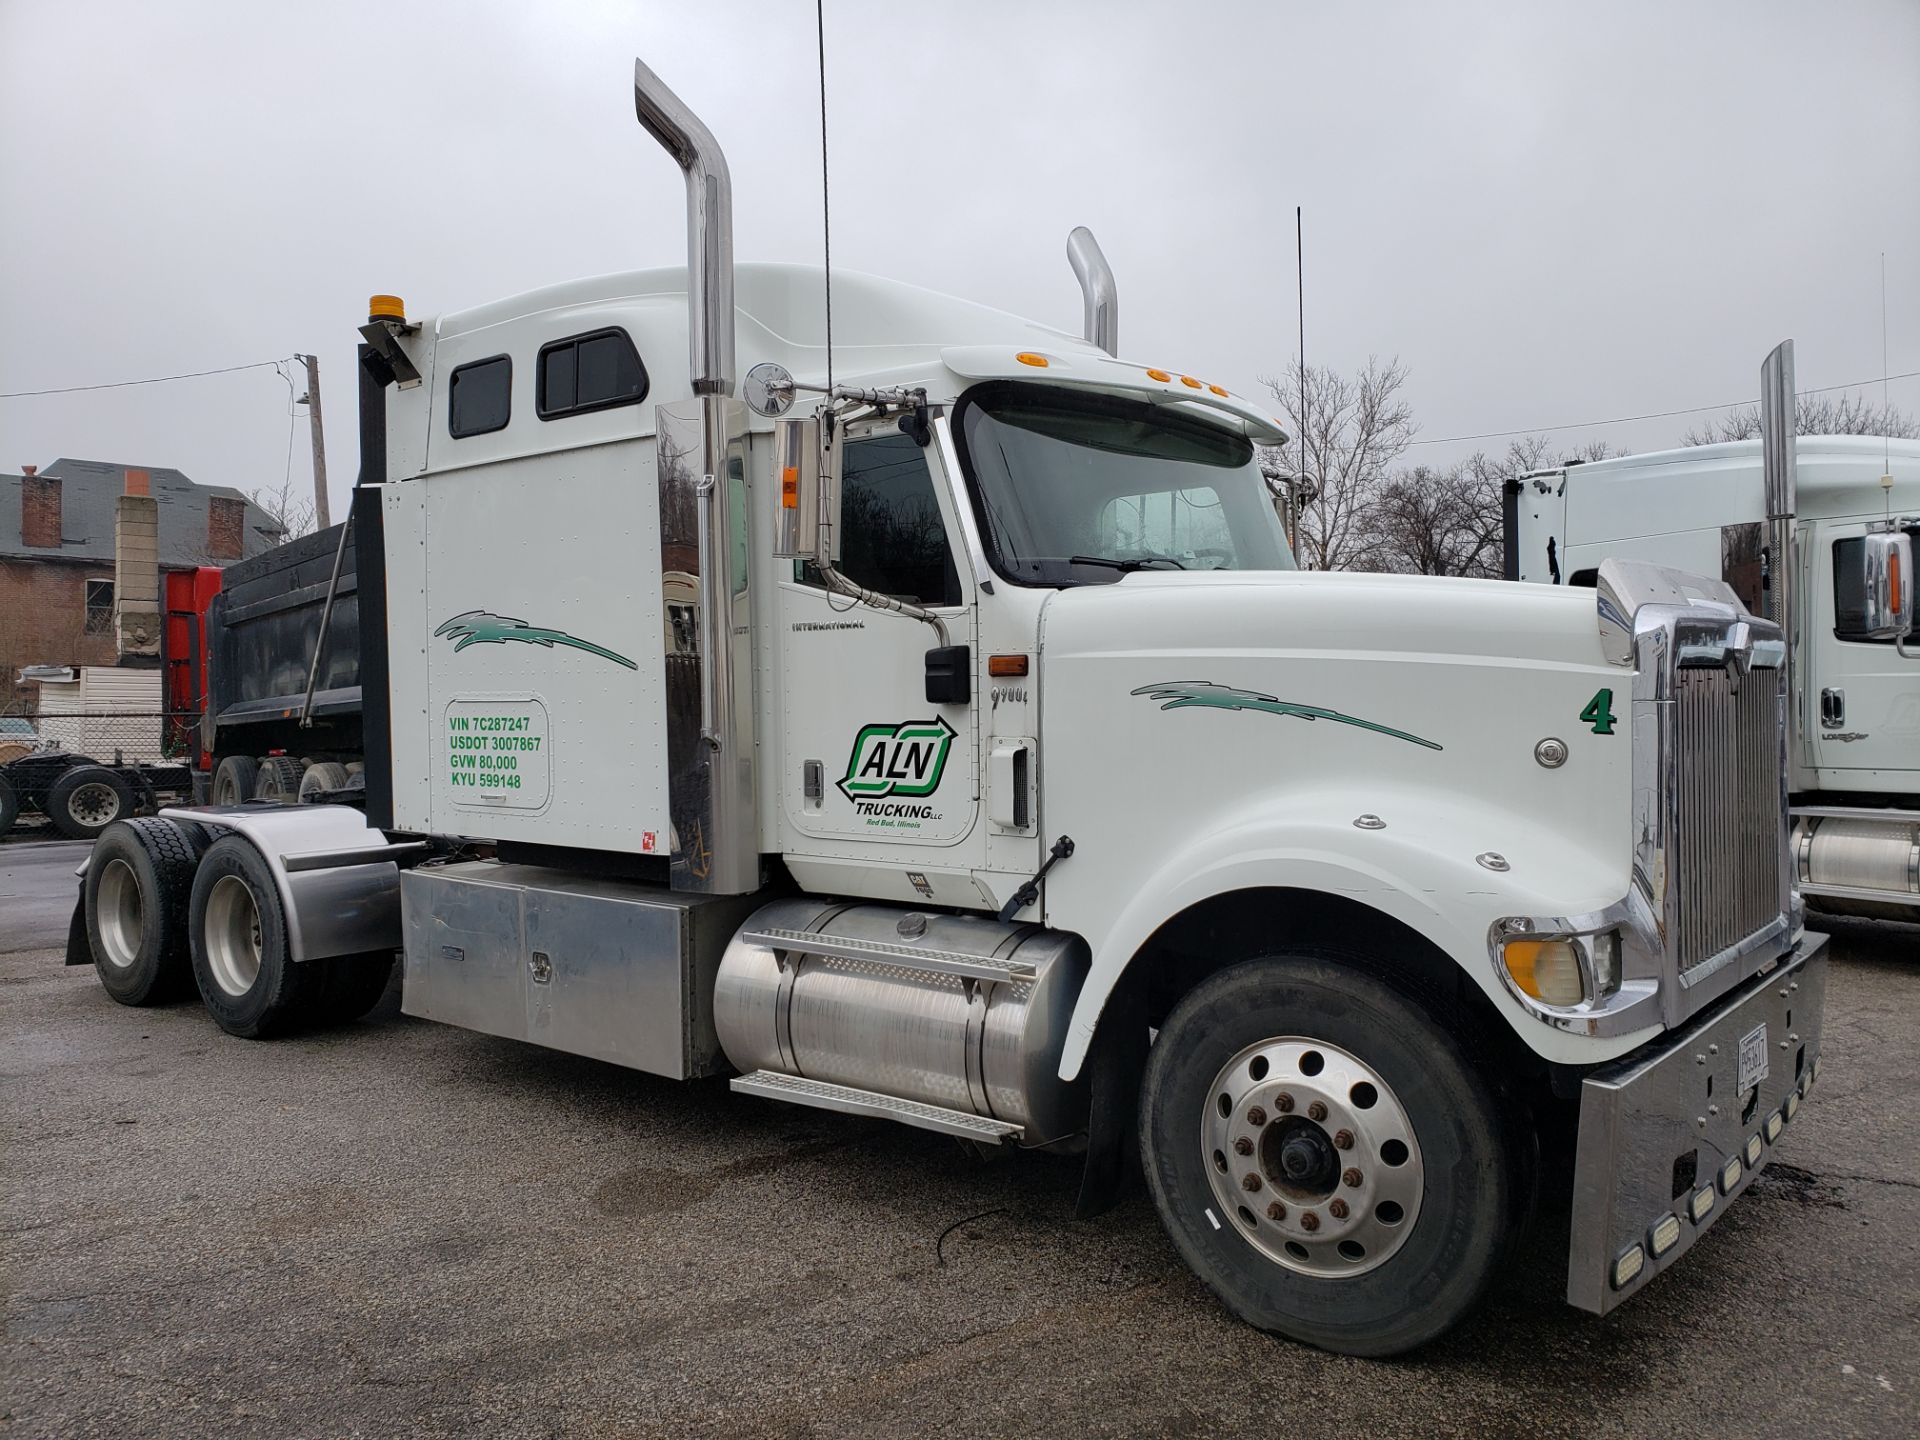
797	1090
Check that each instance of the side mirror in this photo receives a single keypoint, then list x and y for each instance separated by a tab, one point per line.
806	463
1886	586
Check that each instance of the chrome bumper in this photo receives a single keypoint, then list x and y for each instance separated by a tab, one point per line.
1668	1139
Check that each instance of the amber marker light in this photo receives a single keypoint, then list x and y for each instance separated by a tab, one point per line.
1191	383
790	487
1220	391
1027	357
1007	665
1161	375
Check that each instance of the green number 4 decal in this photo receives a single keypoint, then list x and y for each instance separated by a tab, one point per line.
1599	713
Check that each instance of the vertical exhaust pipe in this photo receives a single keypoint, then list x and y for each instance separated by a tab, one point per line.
709	228
1777	453
1099	294
701	469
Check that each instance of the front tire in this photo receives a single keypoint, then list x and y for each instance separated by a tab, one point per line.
1324	1156
247	975
135	901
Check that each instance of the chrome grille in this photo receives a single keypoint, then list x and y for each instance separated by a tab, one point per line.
1729	829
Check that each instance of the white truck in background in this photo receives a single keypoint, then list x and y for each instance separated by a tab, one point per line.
1855	706
956	742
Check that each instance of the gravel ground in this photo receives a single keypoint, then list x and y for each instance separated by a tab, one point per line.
401	1228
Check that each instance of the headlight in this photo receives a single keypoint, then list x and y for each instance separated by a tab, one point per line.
1548	970
1564	971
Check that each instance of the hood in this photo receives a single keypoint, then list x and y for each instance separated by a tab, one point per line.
1339	613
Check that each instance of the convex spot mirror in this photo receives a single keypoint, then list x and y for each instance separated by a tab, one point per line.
806	473
1885	585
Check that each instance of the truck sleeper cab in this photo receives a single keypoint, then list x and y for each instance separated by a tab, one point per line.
957	744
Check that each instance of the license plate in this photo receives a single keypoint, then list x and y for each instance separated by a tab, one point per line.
1753	1058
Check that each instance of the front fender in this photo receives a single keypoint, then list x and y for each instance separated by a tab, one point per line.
1420	869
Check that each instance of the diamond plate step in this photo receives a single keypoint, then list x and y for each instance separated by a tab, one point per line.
796	1090
940	962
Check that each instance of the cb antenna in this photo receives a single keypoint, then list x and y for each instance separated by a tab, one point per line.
1300	305
826	213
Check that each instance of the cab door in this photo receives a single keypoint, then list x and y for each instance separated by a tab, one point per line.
875	779
1863	698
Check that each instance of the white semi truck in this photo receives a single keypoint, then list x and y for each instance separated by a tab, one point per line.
1854	752
958	743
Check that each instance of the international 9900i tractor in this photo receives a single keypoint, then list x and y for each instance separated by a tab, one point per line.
957	742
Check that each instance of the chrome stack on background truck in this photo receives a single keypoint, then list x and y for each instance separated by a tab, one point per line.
1837	507
956	742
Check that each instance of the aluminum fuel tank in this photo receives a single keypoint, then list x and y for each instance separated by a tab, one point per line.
956	1011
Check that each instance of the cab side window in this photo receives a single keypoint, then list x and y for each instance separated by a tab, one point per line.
892	537
1849	592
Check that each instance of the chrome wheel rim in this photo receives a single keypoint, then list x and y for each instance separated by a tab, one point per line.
93	804
117	907
1312	1157
233	935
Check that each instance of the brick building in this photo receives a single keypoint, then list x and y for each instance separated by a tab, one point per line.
65	536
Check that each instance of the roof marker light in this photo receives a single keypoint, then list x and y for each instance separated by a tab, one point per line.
1191	383
1027	357
1220	391
1162	376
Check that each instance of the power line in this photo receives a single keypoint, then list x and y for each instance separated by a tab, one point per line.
1654	414
151	380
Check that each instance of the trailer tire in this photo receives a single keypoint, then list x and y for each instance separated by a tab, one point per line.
233	780
88	798
320	778
279	780
355	984
242	963
134	900
1270	1215
9	805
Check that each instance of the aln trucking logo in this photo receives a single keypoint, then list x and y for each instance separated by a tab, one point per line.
897	762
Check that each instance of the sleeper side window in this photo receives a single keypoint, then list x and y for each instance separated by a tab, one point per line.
588	372
480	397
892	537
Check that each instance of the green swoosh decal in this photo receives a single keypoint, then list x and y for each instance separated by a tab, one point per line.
1181	694
479	627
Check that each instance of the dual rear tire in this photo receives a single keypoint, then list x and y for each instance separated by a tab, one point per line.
170	907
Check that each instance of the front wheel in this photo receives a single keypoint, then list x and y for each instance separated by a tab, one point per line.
1324	1156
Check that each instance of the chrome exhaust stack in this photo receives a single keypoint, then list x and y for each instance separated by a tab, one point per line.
709	228
1099	293
700	459
1777	454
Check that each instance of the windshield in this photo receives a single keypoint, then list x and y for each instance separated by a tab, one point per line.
1073	488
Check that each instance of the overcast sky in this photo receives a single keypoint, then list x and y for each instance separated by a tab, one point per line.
1550	212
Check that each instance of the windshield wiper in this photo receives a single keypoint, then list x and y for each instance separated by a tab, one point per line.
1128	566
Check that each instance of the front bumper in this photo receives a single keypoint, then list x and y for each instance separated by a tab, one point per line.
1668	1138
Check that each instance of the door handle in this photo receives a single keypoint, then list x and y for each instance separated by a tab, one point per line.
1833	708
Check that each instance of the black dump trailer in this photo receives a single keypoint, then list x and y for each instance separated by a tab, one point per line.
264	738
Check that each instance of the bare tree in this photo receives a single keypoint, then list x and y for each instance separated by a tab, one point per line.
1429	521
284	508
1347	431
1812	415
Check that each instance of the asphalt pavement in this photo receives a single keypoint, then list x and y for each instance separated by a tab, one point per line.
37	891
404	1229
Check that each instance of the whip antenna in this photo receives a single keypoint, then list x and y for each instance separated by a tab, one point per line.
826	214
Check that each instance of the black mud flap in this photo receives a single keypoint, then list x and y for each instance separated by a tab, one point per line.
79	948
1115	1064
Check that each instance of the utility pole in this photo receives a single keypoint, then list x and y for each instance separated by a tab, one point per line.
320	517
